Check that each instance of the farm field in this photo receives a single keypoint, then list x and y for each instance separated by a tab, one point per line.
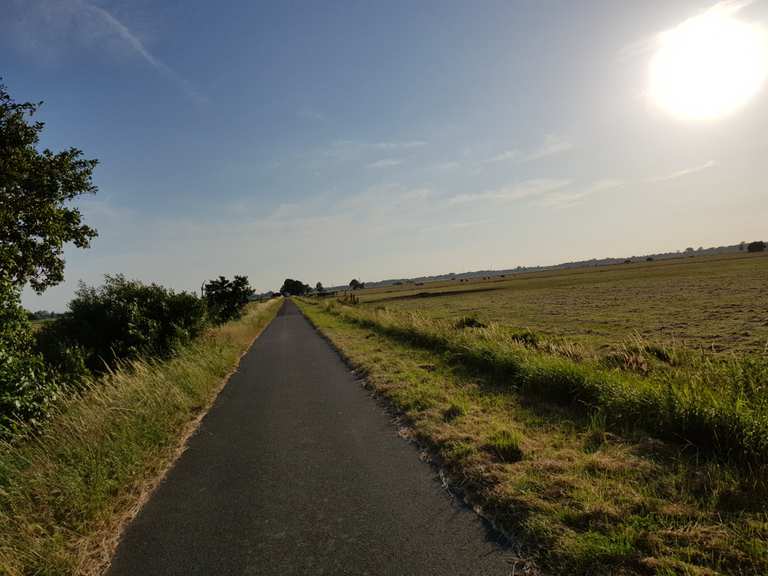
613	420
717	303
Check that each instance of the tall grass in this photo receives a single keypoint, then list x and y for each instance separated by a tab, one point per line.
65	490
714	404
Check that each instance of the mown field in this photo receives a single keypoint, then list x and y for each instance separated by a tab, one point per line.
718	303
610	421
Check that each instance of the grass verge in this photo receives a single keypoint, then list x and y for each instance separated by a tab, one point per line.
587	491
66	492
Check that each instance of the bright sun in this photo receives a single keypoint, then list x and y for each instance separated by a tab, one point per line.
709	66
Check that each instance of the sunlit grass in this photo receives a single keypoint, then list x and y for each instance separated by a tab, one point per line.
579	458
65	491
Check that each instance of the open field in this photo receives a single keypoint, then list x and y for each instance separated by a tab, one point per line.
615	421
715	302
66	490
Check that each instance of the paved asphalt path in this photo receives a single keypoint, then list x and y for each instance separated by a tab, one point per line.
297	470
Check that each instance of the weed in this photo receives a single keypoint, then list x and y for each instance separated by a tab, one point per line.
505	445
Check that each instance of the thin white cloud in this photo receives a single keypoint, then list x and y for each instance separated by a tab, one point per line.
399	145
567	199
90	24
461	225
527	189
355	150
443	166
683	173
385	163
312	114
553	144
505	156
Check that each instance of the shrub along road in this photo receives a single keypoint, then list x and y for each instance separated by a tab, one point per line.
296	470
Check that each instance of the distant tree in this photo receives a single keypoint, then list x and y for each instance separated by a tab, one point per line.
354	284
226	298
689	250
742	244
757	246
293	287
649	259
35	189
319	288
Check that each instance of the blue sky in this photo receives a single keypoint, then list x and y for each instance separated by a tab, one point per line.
331	140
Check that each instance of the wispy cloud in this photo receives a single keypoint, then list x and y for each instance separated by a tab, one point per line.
385	163
552	145
567	199
91	23
307	113
683	173
527	189
399	145
445	166
355	150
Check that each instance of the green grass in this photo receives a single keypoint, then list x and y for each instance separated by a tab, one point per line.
652	462
65	491
715	303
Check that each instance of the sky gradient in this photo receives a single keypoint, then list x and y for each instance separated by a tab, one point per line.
332	140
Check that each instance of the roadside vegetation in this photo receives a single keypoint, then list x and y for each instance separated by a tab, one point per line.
66	489
94	402
650	459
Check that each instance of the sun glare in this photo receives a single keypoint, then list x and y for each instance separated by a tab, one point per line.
709	66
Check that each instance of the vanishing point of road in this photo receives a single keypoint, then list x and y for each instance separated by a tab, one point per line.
297	470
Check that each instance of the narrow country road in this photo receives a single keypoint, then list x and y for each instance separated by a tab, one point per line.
297	470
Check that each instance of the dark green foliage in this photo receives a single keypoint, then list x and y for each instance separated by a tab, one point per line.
35	187
293	287
226	298
319	288
758	246
355	284
120	320
26	386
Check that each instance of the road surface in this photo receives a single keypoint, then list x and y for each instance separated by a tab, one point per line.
297	470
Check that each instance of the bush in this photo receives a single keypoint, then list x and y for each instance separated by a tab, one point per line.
758	246
121	319
226	299
26	386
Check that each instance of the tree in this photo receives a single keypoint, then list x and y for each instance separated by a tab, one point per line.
226	299
26	385
35	189
319	288
757	246
293	287
355	284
